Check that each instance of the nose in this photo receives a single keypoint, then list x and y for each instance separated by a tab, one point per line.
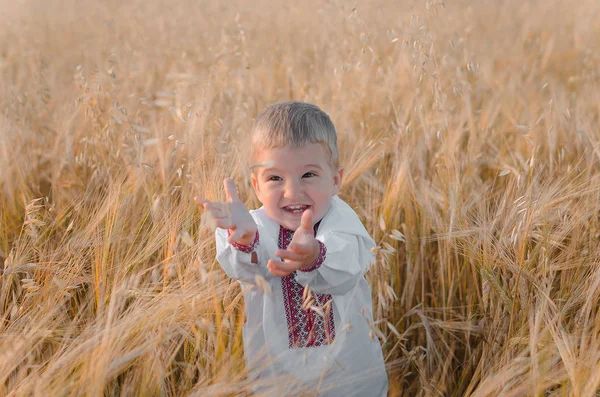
293	190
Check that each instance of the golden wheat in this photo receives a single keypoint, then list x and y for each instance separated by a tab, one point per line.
470	137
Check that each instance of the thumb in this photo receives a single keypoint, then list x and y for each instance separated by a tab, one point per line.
199	200
230	190
235	236
306	221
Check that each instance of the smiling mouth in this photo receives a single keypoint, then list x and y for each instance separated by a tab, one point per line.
295	209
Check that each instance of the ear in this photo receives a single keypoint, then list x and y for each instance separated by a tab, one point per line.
256	186
337	180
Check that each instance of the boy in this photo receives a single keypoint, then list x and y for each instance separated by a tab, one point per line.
301	259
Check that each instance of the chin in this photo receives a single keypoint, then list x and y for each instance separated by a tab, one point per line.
290	226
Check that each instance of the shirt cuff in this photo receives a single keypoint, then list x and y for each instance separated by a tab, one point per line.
320	259
245	248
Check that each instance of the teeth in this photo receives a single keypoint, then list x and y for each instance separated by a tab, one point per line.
296	208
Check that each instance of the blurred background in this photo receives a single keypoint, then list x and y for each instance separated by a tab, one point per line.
469	133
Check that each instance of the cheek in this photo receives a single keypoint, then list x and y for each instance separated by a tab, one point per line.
321	194
270	193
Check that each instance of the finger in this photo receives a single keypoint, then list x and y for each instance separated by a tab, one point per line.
208	205
306	220
217	216
223	223
235	236
289	255
230	190
288	265
300	248
218	210
213	223
276	270
205	204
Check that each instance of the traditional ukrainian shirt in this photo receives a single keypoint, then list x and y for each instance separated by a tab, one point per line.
321	334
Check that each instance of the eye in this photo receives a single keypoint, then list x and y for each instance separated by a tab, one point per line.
309	174
274	178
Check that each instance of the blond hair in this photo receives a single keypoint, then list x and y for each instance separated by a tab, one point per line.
294	124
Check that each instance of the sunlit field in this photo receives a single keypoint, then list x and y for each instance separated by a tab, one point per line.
470	137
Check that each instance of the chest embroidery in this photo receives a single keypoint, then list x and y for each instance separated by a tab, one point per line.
306	327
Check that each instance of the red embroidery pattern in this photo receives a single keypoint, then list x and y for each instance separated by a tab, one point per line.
245	248
306	328
320	258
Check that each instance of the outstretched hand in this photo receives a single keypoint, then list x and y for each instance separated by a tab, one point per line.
302	251
231	214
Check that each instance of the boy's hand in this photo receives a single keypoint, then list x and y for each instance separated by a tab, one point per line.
302	251
232	215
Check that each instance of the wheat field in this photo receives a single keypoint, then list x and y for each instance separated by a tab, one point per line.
470	136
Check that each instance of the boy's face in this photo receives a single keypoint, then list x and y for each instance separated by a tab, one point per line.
289	180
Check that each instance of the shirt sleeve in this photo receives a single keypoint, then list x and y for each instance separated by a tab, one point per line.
241	262
345	260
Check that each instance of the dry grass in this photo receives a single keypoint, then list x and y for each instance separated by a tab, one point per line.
470	134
